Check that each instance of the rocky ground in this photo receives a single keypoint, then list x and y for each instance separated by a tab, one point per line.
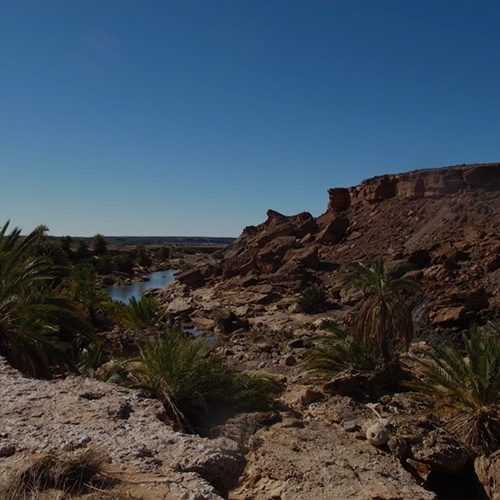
316	445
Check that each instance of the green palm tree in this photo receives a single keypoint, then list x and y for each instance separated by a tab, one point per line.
37	322
467	388
384	314
85	290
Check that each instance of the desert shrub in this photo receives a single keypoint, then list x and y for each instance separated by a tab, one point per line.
104	264
70	473
383	315
218	255
99	244
313	299
66	242
141	256
466	386
186	266
140	314
165	252
188	379
339	350
124	263
89	358
227	321
82	250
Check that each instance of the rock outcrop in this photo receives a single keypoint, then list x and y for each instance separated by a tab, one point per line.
444	221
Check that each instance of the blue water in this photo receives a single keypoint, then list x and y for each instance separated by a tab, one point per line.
158	279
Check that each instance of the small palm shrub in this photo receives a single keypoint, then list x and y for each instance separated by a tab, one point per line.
89	358
84	289
467	388
313	299
383	315
140	314
341	350
188	379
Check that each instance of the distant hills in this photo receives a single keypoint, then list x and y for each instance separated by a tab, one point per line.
159	240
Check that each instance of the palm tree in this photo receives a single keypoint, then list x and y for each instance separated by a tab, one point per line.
383	315
36	320
467	387
85	291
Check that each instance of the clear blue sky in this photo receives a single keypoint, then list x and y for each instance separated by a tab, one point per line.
185	117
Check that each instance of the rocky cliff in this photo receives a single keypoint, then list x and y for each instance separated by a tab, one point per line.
445	222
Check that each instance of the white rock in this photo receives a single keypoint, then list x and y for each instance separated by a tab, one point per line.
378	434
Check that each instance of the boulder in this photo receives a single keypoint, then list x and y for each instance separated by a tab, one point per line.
307	256
334	230
487	470
192	278
340	199
180	307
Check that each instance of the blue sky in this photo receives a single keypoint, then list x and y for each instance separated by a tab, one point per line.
185	117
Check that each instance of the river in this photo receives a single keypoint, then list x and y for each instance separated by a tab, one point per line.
158	279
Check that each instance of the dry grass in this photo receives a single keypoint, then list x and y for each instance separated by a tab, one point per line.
54	477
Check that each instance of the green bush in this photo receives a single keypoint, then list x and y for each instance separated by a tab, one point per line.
190	380
141	314
99	244
186	266
82	250
141	256
313	299
124	263
466	386
165	253
340	350
104	264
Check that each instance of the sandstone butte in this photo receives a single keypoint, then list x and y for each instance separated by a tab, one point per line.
446	222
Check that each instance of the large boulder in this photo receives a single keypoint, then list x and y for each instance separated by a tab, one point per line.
307	256
340	199
192	278
334	231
